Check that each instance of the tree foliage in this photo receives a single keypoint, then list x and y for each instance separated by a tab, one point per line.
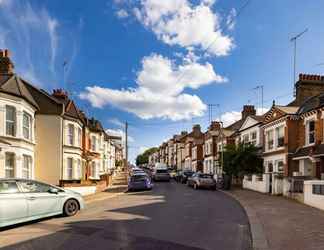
242	159
143	158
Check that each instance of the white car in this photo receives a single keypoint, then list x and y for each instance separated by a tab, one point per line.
24	200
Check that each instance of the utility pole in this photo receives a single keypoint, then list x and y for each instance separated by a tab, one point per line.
294	40
126	145
210	111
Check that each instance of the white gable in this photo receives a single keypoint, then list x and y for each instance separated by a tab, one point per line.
249	122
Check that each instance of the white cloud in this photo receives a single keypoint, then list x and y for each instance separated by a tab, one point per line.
230	117
52	31
179	22
230	20
142	149
31	34
122	13
159	92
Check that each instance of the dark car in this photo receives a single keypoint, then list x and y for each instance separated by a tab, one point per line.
139	181
177	176
185	174
200	180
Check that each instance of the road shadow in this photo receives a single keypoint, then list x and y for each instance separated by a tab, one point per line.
169	217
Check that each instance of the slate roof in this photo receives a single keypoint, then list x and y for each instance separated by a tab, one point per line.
94	125
14	85
288	109
309	151
311	103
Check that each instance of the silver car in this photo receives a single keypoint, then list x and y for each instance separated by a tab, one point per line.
161	175
24	200
200	180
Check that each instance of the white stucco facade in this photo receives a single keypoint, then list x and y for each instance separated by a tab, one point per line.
17	131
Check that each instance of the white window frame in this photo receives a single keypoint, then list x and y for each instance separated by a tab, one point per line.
69	168
27	169
307	132
14	122
78	169
10	168
93	143
28	127
70	134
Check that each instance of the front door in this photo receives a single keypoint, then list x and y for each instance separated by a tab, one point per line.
270	183
40	201
13	204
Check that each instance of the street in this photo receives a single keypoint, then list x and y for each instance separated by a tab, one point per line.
171	216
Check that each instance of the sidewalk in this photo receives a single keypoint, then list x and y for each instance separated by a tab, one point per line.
281	223
110	192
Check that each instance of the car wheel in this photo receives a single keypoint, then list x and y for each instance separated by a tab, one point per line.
71	207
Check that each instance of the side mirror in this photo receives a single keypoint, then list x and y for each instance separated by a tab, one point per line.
53	190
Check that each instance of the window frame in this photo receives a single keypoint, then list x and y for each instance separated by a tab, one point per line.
29	128
70	134
13	122
13	168
309	133
69	168
29	167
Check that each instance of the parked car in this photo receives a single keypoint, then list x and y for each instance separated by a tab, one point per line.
184	175
139	181
200	180
136	171
24	200
161	174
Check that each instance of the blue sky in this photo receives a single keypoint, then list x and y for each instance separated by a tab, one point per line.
157	64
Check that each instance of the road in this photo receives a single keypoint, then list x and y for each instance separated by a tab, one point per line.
171	216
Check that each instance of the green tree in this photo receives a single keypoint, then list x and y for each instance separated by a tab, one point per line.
242	159
143	158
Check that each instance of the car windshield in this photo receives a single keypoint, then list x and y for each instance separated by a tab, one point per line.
138	178
188	173
205	176
161	171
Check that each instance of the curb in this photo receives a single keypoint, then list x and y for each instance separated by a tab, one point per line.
94	199
259	239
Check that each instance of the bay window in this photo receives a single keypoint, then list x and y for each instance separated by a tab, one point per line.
254	138
10	120
79	137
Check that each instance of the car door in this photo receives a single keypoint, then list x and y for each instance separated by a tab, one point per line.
13	204
40	201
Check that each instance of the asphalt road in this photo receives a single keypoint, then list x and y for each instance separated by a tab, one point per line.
171	216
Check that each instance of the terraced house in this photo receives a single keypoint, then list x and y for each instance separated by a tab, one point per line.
46	136
17	116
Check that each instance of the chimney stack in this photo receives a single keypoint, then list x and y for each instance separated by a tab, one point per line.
6	65
60	94
248	110
196	128
308	85
214	125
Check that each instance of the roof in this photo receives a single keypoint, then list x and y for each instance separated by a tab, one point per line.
14	85
288	109
94	125
236	125
309	151
311	103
